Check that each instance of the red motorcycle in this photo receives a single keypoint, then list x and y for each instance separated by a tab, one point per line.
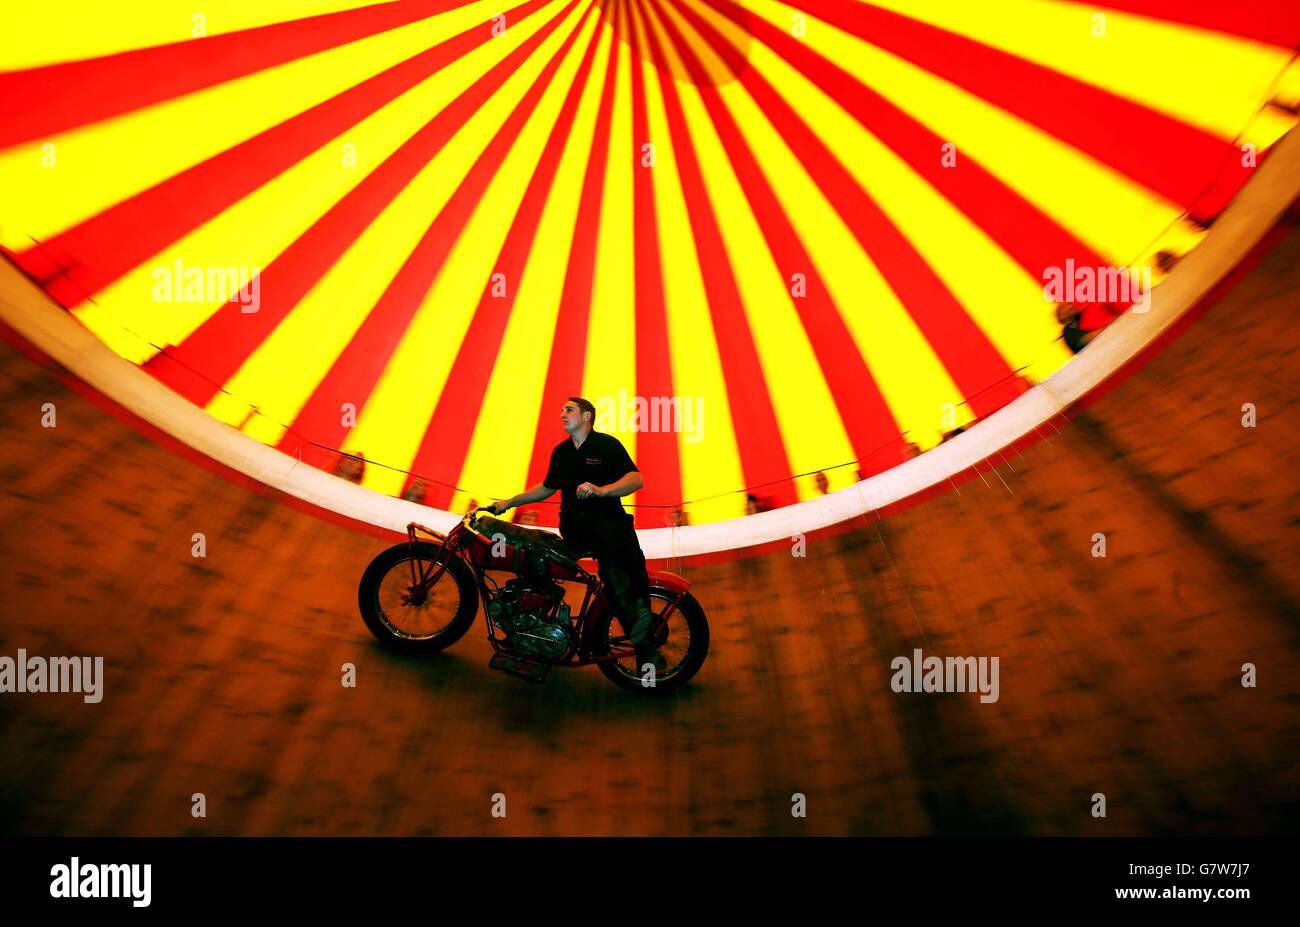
421	597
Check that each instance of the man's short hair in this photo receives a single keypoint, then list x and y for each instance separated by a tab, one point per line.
584	406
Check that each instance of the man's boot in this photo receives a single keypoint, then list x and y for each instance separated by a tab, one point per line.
619	592
636	618
645	648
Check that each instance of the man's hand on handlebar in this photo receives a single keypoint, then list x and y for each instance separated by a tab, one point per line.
496	508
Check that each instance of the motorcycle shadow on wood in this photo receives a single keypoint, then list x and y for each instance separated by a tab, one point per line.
459	683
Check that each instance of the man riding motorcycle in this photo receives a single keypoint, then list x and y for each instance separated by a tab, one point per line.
592	470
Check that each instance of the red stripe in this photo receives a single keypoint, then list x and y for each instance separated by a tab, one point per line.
657	451
871	427
963	348
354	374
55	98
1131	138
106	246
1273	22
446	441
569	341
1231	177
762	452
224	341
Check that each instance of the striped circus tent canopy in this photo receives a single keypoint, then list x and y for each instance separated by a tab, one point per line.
767	239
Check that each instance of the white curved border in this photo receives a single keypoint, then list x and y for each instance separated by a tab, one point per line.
1246	220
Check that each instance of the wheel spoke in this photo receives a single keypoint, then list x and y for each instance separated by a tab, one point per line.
415	622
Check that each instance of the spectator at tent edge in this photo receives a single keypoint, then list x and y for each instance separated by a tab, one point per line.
415	492
1076	338
823	484
527	517
352	467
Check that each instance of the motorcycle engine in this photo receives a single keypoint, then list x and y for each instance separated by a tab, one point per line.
534	617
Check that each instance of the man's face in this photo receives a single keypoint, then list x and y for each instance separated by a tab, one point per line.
571	418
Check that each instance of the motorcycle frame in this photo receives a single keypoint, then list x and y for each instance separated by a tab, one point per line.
581	652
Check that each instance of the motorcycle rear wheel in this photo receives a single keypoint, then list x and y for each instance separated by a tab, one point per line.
440	620
684	643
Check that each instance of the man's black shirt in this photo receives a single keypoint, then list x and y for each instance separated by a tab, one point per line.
601	460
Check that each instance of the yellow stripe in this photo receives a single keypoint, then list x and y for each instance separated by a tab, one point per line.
1288	87
609	363
1267	126
911	378
1279	116
103	164
1203	78
1115	216
710	458
36	34
259	227
812	431
496	465
393	422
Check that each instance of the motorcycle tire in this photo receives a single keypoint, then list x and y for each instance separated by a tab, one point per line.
675	676
374	597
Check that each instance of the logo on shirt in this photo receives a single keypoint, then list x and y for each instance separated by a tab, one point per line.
595	460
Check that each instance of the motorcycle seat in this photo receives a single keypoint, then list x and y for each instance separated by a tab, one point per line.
536	540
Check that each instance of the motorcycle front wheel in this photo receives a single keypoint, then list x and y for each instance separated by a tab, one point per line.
433	622
683	642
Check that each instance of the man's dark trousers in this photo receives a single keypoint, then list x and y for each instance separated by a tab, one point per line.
612	541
